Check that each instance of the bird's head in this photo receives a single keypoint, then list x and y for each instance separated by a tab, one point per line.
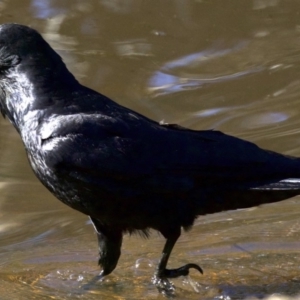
30	71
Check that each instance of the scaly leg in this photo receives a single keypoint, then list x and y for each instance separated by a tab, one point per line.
162	272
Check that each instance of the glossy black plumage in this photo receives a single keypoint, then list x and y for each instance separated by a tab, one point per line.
122	169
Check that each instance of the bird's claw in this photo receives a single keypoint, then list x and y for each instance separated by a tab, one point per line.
174	273
160	279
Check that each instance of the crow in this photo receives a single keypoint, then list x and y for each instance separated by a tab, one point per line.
126	172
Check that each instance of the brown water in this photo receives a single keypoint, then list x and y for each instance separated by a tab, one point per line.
229	65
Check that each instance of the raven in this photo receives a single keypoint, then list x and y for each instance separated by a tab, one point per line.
125	171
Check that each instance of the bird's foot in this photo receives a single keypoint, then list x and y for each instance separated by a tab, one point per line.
91	284
160	279
164	286
174	273
101	275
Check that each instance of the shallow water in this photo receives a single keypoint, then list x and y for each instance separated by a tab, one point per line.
228	65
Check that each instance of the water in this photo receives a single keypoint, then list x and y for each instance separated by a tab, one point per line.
228	65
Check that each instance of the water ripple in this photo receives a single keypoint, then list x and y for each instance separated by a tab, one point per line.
174	77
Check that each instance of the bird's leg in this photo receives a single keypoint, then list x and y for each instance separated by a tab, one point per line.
162	272
110	242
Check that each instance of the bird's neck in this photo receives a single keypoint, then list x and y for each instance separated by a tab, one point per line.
16	98
24	95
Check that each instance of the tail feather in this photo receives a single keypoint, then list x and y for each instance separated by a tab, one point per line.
290	184
249	196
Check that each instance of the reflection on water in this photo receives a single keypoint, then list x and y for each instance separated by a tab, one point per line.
202	64
133	48
45	9
165	81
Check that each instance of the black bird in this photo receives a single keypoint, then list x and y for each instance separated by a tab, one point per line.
125	171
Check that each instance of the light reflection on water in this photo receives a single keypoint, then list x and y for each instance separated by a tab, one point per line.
179	74
152	58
